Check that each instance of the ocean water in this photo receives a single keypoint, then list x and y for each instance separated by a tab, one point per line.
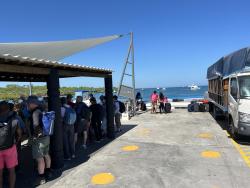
174	92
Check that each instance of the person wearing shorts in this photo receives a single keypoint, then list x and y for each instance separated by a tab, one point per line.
154	99
40	143
8	154
40	147
83	127
83	120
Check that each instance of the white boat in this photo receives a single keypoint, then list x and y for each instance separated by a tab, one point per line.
164	88
194	87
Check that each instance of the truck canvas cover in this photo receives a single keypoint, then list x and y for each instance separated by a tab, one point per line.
229	64
215	70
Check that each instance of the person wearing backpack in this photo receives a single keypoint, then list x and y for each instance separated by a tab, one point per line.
40	141
83	116
11	133
117	112
96	118
69	119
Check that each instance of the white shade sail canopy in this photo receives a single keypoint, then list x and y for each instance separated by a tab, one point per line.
53	51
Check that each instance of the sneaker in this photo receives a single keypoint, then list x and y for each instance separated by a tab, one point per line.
84	146
40	181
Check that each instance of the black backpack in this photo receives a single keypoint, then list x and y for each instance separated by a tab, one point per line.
122	107
85	112
6	133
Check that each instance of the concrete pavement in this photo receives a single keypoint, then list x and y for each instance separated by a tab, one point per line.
176	150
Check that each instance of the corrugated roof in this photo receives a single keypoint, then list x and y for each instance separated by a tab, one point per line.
29	61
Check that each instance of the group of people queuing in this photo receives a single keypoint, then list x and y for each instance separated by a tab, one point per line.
24	121
160	101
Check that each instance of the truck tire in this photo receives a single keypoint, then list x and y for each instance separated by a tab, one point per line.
233	130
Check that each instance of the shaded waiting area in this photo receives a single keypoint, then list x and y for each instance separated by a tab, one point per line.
39	62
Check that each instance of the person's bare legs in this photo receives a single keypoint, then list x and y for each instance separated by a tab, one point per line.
85	137
12	177
47	161
1	178
40	165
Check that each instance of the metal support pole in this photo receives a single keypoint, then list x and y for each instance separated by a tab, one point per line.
54	104
133	71
109	106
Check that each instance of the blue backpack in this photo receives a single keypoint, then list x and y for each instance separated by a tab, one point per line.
70	116
48	120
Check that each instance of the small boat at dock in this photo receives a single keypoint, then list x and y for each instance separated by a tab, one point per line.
194	87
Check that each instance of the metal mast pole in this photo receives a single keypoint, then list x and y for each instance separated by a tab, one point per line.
122	88
124	69
133	70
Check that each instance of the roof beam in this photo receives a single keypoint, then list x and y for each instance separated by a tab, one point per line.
71	73
5	68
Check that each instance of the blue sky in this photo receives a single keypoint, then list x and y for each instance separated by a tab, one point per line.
175	41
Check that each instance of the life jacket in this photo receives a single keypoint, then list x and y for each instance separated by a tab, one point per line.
122	107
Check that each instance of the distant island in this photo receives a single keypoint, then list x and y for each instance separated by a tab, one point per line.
14	91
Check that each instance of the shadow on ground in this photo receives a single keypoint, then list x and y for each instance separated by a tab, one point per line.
27	172
243	140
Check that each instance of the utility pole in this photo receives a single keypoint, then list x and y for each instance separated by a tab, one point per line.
30	89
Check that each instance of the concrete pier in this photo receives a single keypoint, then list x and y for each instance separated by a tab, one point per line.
177	150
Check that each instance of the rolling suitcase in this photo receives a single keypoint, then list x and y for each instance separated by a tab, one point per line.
167	107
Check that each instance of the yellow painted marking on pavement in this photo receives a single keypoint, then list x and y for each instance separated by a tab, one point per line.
102	179
210	154
130	148
227	133
243	150
247	153
205	135
143	132
242	153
